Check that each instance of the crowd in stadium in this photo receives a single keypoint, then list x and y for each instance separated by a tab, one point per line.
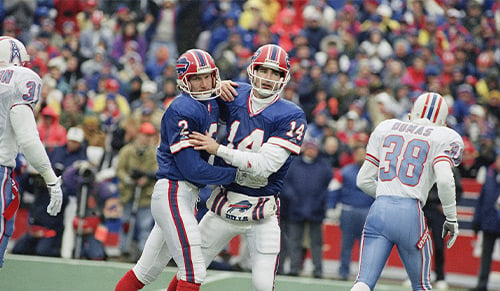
108	67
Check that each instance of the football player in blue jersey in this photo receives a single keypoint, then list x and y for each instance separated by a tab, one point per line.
182	172
263	133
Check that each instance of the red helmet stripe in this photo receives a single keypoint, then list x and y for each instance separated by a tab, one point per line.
425	106
436	112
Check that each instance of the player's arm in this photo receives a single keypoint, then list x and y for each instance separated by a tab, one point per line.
268	160
366	179
197	170
446	191
446	188
24	126
443	164
271	156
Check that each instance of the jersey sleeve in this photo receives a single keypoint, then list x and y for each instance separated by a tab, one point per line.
374	144
450	148
180	125
290	131
189	162
28	86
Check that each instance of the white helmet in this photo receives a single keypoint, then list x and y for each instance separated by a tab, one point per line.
12	52
430	106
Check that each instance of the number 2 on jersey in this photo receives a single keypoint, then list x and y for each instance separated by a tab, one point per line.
413	157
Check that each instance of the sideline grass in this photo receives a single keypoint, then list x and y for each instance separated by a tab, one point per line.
30	273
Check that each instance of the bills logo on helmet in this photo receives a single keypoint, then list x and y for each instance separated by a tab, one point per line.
15	52
182	66
256	55
241	206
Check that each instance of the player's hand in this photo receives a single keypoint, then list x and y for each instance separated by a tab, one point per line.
450	226
56	197
227	90
244	178
203	142
333	214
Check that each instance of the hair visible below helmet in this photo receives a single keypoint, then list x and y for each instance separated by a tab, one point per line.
12	52
197	62
273	57
430	106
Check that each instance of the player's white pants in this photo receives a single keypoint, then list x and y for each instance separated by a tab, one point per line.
6	199
263	238
175	234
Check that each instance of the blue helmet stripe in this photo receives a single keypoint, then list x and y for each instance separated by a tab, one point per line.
274	53
431	108
200	57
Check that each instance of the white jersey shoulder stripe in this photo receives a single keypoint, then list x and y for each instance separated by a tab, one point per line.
294	148
176	147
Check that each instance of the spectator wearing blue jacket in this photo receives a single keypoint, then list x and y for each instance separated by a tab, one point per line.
355	205
487	219
74	150
304	190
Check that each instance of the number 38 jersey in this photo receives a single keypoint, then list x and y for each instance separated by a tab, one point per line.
18	86
281	123
405	153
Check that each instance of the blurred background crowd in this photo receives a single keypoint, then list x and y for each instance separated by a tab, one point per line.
108	69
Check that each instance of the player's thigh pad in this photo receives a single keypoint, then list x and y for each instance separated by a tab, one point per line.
216	232
266	236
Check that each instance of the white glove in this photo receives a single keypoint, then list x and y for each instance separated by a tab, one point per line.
451	227
56	197
244	178
333	214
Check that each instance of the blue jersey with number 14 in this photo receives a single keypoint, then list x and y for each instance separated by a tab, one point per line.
281	123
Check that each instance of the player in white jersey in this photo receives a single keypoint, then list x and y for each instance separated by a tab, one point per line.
403	161
19	91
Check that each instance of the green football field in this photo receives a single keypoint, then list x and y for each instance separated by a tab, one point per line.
26	273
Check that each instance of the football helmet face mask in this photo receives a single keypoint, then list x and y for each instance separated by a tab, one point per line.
197	62
12	52
430	106
273	57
